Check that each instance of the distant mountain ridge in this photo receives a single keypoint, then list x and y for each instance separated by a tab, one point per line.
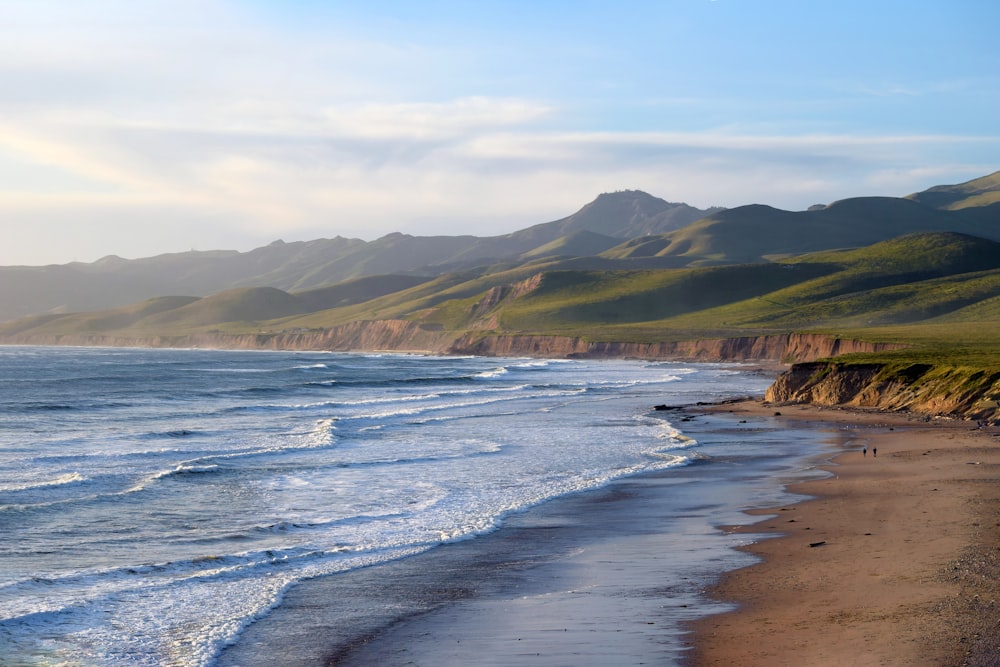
756	233
112	281
945	278
625	230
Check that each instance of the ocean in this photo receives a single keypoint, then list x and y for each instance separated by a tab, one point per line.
154	504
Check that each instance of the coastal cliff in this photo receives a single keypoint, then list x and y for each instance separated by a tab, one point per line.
407	336
395	335
968	393
924	389
784	348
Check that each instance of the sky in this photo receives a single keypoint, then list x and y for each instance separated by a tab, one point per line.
140	128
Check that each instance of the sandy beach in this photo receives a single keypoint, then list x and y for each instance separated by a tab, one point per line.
895	562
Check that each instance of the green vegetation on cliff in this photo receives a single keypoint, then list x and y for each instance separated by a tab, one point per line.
914	381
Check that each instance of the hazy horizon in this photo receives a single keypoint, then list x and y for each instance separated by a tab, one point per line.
138	129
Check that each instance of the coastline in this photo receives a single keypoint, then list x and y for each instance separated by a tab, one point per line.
600	577
894	559
606	545
403	336
570	582
905	570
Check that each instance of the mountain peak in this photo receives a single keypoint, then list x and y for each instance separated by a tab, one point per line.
627	194
631	213
644	201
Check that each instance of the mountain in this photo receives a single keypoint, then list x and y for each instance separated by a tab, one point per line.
624	214
914	278
757	233
338	280
113	281
977	192
935	277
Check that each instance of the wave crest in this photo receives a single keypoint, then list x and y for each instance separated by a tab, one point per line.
62	480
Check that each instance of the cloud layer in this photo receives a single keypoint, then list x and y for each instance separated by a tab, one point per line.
138	128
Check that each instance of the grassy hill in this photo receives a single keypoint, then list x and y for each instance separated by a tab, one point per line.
761	233
248	304
305	265
874	268
977	192
110	320
576	244
918	278
357	290
567	300
616	228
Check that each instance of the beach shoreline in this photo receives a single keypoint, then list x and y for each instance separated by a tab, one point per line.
604	576
889	559
894	559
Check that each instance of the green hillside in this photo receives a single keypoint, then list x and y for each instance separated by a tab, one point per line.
116	319
978	192
927	277
910	279
625	230
578	244
879	268
306	265
357	290
761	233
575	299
918	278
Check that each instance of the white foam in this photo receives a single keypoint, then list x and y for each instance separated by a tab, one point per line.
199	539
62	480
495	373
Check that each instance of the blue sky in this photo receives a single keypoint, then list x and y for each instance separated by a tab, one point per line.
141	128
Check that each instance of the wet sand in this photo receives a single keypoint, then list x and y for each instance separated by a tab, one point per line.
895	562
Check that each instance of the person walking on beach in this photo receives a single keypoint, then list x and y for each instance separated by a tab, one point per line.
864	451
874	452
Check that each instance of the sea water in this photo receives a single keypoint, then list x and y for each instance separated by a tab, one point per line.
153	503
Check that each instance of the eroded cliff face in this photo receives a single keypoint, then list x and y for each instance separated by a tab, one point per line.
783	348
407	336
398	335
924	389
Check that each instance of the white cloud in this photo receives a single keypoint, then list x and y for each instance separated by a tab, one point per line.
420	167
433	120
135	128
